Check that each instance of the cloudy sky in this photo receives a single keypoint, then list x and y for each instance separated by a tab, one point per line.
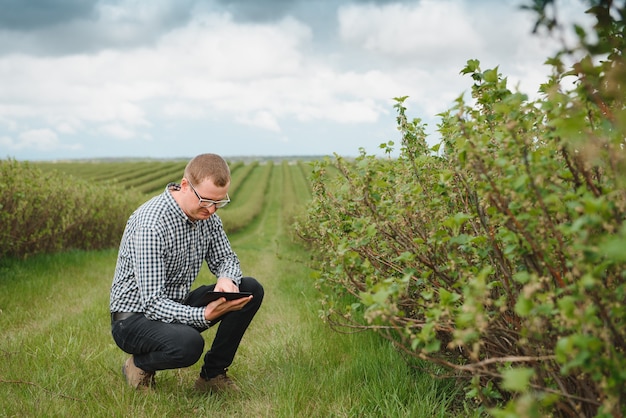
174	78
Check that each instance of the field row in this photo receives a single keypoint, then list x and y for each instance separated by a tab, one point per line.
249	182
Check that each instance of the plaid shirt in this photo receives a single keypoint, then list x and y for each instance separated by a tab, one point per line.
160	255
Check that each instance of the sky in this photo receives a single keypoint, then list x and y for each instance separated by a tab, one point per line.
175	78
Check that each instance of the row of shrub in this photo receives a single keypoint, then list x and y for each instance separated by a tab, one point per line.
44	210
51	211
498	254
248	197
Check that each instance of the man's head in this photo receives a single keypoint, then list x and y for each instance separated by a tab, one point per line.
208	166
204	187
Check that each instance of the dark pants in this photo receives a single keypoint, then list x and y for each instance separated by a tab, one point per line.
158	345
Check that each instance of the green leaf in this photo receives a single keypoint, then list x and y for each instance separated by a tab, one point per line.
491	76
517	380
613	248
521	277
568	306
523	306
445	297
432	346
471	67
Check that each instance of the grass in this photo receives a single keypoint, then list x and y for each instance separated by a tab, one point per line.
57	357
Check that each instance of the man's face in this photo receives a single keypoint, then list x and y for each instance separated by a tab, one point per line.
202	200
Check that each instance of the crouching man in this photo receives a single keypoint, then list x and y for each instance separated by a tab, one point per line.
163	247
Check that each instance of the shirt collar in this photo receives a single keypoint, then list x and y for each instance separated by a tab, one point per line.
173	205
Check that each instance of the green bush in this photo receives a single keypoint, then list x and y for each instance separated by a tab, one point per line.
503	258
48	212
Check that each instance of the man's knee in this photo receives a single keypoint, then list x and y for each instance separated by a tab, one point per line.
188	349
250	284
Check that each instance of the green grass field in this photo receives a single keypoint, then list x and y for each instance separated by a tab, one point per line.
57	358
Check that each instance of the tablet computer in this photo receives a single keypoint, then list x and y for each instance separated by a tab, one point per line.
209	296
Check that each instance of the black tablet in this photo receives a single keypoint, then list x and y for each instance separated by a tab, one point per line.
208	297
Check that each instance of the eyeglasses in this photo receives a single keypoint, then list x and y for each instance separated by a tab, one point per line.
207	203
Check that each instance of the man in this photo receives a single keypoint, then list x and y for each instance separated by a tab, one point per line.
163	247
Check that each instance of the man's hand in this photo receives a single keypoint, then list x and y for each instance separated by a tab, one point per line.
224	284
219	307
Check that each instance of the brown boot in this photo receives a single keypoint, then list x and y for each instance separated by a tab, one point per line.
136	377
219	383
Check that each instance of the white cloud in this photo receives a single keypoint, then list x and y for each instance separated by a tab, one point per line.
10	124
118	131
214	62
43	139
263	120
421	47
6	142
184	110
36	139
67	126
218	71
215	47
426	30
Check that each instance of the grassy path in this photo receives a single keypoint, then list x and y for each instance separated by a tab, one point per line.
57	357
